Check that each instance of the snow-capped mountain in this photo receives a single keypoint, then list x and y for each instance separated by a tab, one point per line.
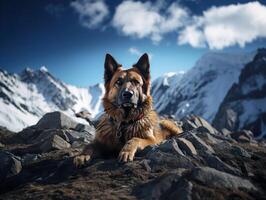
162	84
201	90
24	98
244	106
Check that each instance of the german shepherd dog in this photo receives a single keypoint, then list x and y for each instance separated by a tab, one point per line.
129	122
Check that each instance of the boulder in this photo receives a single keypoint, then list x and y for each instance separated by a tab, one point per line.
239	151
159	187
205	135
160	160
192	122
198	143
10	165
85	115
225	132
28	159
214	178
182	191
217	163
1	145
56	120
162	187
243	136
170	146
186	146
83	136
54	143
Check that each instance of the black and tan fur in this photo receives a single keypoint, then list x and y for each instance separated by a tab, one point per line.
124	130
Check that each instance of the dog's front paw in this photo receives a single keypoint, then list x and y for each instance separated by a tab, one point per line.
128	152
81	160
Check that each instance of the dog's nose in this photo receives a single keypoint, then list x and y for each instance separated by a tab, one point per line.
127	94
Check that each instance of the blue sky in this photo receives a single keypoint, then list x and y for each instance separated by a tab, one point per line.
71	38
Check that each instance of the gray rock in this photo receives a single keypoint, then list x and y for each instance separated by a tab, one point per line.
84	115
225	118
186	146
224	147
28	134
56	120
188	124
78	144
28	159
85	128
44	135
1	145
204	134
243	139
83	136
239	151
183	190
244	136
192	122
55	142
214	178
199	143
161	159
225	132
170	146
10	165
217	163
146	164
159	188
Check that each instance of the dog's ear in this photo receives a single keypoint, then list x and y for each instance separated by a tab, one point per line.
110	67
143	66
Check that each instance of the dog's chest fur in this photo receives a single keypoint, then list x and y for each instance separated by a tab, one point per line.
110	131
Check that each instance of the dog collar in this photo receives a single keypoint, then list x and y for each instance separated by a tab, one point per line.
119	132
139	117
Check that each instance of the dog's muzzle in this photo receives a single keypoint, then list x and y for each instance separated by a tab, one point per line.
127	98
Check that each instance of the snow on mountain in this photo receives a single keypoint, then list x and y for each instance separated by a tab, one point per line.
200	90
162	84
26	97
88	98
244	106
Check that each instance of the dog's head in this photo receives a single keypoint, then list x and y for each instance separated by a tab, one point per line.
126	90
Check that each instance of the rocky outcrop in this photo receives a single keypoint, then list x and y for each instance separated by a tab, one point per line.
244	105
200	163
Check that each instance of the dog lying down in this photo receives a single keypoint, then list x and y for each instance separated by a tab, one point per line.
129	122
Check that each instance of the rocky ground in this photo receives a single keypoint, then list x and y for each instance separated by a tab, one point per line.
201	163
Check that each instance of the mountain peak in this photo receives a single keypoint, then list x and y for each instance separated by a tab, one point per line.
28	69
43	69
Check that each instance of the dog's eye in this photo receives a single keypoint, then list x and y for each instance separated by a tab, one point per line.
118	82
135	82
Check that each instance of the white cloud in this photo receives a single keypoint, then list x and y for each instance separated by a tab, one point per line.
138	19
225	26
134	51
91	12
137	52
217	28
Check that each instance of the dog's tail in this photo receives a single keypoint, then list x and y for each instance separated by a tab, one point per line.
171	127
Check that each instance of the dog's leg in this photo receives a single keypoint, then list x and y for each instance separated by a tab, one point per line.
85	156
128	151
169	128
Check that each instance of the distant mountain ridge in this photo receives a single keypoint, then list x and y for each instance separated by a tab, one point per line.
26	97
200	90
216	85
